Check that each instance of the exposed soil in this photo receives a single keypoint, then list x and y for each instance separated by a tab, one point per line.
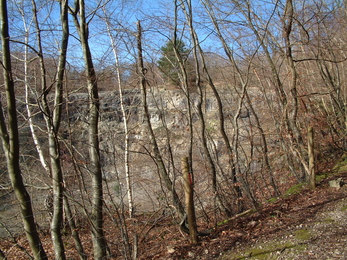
311	224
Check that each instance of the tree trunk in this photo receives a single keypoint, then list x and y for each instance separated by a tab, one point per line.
232	148
311	162
2	255
10	141
296	138
125	122
73	228
158	157
99	242
53	118
188	181
195	42
184	85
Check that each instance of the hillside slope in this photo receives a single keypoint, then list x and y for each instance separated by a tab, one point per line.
309	225
302	224
305	225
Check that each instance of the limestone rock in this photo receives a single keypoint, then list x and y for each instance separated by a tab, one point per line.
336	183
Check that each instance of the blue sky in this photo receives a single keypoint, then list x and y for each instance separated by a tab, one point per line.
156	18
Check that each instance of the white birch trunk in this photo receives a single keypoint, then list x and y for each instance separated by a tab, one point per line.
27	104
125	121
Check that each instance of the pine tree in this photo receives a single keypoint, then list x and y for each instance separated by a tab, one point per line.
169	64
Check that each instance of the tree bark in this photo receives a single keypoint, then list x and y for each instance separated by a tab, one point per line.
159	160
311	162
53	119
188	181
10	141
231	147
125	122
73	228
184	84
196	51
295	134
99	243
2	255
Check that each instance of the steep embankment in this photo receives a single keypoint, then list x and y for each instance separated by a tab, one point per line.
301	224
304	225
308	225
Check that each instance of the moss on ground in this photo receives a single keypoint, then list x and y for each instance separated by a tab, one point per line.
322	176
223	222
300	239
341	165
295	189
302	234
273	200
329	220
266	251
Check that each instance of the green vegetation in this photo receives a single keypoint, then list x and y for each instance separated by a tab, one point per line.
329	220
295	189
272	200
322	176
341	165
169	63
223	222
266	251
302	234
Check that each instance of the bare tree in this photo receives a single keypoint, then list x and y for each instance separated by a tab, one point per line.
10	140
232	146
99	242
159	160
125	119
53	120
197	52
297	146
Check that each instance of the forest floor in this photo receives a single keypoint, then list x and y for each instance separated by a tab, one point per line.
311	224
306	224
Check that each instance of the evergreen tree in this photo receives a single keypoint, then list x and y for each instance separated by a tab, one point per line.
169	64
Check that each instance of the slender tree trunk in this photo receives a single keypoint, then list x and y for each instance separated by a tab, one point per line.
10	141
99	242
310	144
158	157
125	122
268	169
288	117
232	148
57	173
278	84
73	228
196	49
183	76
188	181
53	118
28	108
287	29
296	138
2	255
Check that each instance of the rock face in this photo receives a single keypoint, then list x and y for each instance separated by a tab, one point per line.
169	116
